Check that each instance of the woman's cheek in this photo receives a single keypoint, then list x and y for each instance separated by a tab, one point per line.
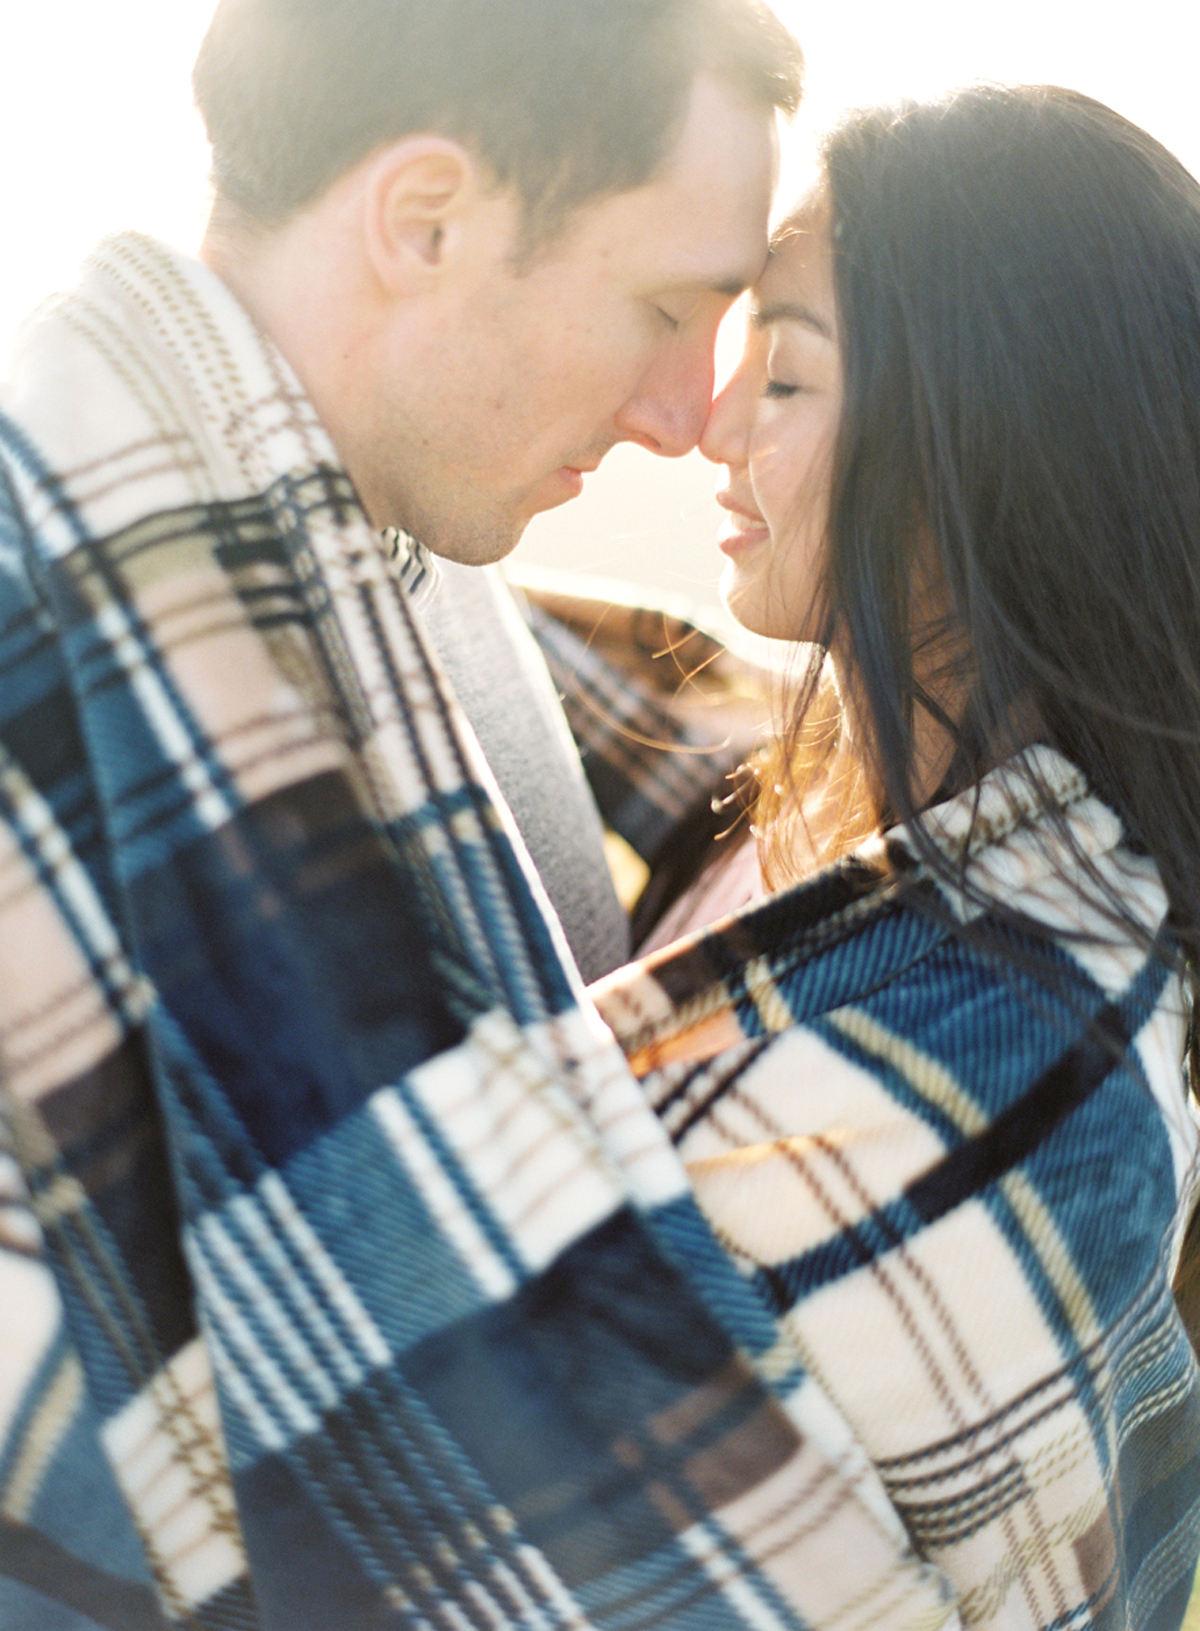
770	481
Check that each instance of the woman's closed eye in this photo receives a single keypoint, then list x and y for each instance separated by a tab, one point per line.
781	388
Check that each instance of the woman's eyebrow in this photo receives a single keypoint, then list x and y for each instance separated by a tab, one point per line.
790	311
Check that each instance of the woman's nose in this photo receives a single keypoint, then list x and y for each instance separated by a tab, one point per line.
725	438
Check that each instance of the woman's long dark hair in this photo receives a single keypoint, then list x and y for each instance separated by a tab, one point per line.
1017	274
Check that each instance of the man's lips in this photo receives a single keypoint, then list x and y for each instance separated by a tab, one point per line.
744	529
562	484
571	475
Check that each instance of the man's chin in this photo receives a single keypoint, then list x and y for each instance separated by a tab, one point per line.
482	543
476	553
477	546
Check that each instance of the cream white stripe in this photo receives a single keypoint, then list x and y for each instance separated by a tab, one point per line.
73	884
929	1078
46	520
773	1011
51	1422
238	1389
225	1250
374	1350
449	1211
234	1332
530	1612
1046	1240
454	1614
211	807
484	1605
244	1211
701	1543
556	1593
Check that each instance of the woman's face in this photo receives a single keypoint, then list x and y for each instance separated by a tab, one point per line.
773	426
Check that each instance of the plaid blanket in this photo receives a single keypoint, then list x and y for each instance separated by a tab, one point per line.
906	1121
347	1279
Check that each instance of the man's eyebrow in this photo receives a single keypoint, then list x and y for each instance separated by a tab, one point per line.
791	311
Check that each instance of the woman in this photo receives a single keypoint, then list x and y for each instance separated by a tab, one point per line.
932	1097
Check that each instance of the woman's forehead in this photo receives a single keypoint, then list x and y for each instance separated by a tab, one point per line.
799	261
808	215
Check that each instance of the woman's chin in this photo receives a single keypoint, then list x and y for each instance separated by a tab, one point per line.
758	607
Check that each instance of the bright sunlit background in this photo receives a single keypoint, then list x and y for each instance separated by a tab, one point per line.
98	133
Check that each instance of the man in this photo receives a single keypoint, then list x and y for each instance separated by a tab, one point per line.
348	1282
486	277
489	272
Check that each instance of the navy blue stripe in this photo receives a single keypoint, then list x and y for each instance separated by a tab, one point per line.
978	1162
39	1563
138	630
1016	1132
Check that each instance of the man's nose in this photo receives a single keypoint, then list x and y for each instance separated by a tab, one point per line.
667	412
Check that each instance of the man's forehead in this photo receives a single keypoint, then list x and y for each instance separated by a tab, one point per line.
683	253
701	221
717	191
706	245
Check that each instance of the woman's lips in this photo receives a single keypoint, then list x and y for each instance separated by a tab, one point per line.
744	530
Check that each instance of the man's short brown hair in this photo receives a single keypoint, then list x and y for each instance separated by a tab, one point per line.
563	99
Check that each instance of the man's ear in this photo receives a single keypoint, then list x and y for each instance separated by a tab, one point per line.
418	190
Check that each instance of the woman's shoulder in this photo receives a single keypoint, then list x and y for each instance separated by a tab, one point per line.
1039	895
999	1001
951	1150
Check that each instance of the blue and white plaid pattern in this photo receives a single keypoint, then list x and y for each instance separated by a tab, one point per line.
347	1278
906	1120
652	756
370	1292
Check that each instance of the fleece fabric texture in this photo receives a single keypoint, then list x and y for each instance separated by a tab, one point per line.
349	1277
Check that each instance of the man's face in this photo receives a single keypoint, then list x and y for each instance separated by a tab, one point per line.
518	379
